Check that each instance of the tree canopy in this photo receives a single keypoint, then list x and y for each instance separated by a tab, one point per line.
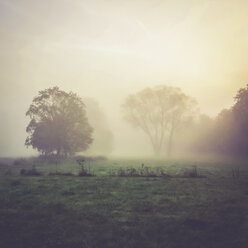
229	133
58	123
159	112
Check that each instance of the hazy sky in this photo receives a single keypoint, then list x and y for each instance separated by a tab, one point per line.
108	49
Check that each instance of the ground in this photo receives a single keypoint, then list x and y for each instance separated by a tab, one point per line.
136	212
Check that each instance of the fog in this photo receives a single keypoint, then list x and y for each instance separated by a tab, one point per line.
106	50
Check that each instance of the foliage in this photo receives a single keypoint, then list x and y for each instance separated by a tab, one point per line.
58	123
229	133
159	112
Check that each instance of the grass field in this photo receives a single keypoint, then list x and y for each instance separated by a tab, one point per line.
137	212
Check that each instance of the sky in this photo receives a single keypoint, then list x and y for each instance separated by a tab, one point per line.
109	49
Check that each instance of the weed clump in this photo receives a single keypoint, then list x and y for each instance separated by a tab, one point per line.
84	172
193	173
143	171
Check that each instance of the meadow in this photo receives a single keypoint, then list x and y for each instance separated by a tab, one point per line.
174	209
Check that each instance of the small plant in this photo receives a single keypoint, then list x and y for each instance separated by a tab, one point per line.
121	172
193	173
84	172
80	161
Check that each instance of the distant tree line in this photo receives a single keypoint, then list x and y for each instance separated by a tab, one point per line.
62	123
228	133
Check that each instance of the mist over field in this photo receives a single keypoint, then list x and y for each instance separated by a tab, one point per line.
108	50
123	124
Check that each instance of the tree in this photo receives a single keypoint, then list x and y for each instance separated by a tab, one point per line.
103	137
159	112
229	133
240	122
58	123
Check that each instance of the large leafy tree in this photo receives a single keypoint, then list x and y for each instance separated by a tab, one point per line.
58	123
159	112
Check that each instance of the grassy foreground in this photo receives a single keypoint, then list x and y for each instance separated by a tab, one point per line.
136	212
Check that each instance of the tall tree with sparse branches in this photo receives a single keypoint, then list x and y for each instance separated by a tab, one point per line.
159	112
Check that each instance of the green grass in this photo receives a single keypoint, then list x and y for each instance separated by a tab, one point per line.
103	211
